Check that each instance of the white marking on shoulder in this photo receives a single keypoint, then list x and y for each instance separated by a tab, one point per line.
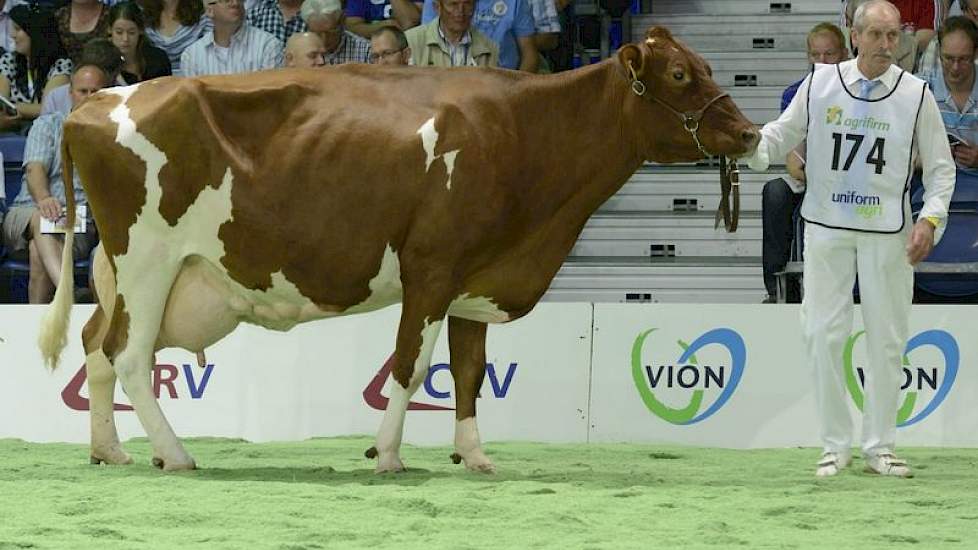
477	308
429	140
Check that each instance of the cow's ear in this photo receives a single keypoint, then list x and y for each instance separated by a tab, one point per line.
632	60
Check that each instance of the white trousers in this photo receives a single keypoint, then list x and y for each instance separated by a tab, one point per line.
832	259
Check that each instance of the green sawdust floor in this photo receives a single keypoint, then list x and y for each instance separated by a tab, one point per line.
322	494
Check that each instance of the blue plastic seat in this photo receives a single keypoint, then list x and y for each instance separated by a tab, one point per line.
959	244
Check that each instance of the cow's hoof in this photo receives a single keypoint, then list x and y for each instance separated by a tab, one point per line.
174	465
477	461
456	458
112	456
371	452
389	463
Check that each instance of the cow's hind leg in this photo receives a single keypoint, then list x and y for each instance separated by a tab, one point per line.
132	337
467	342
416	337
101	394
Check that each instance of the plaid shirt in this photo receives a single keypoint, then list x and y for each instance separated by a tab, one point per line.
44	147
267	17
351	49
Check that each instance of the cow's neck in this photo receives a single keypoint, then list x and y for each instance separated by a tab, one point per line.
588	144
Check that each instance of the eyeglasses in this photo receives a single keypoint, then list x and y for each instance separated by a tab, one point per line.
386	54
225	2
957	60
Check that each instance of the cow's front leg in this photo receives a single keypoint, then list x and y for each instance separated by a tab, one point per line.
416	338
467	342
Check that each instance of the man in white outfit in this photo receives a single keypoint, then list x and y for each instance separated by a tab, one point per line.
866	121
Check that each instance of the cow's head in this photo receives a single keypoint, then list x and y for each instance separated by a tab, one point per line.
681	112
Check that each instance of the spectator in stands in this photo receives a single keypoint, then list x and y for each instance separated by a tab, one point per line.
364	17
80	21
143	61
37	65
869	120
280	18
546	21
955	90
509	24
781	197
389	46
919	21
43	195
930	60
451	40
325	17
101	53
232	47
305	49
173	25
6	32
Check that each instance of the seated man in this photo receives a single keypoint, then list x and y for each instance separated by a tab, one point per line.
389	46
365	17
325	18
955	90
43	195
450	39
100	52
232	46
279	18
508	24
918	19
305	49
780	198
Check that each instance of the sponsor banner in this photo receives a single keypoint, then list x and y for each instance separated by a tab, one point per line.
323	378
737	376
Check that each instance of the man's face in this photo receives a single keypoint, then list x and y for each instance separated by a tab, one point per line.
456	15
957	59
329	27
228	12
878	40
306	51
384	50
85	82
823	48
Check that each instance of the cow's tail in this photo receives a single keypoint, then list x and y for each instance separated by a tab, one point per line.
57	318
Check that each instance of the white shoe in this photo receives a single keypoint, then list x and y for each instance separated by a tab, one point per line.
886	464
832	463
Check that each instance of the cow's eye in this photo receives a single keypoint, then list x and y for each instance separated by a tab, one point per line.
678	75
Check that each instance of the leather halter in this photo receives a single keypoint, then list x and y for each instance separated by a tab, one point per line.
729	209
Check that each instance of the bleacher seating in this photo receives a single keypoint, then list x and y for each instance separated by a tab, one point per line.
959	244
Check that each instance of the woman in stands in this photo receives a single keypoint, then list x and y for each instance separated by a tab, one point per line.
37	64
143	61
172	25
80	21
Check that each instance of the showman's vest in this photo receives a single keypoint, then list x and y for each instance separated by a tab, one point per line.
859	153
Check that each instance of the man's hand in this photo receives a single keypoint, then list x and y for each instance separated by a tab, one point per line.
966	155
921	241
50	208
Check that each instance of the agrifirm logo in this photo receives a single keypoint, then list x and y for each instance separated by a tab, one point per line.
834	115
437	384
165	378
930	366
711	366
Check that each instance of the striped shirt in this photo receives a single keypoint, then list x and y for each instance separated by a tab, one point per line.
44	146
961	122
180	40
458	53
250	50
267	17
545	17
352	49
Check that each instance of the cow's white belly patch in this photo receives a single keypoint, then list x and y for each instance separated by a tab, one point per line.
429	140
157	247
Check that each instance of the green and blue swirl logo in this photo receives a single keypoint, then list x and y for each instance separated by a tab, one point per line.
689	373
923	376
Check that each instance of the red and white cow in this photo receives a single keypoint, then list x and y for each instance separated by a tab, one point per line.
287	196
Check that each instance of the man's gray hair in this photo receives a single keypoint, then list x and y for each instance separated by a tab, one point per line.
319	8
859	17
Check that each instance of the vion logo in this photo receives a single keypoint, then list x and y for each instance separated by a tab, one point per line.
166	378
689	378
436	385
930	366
